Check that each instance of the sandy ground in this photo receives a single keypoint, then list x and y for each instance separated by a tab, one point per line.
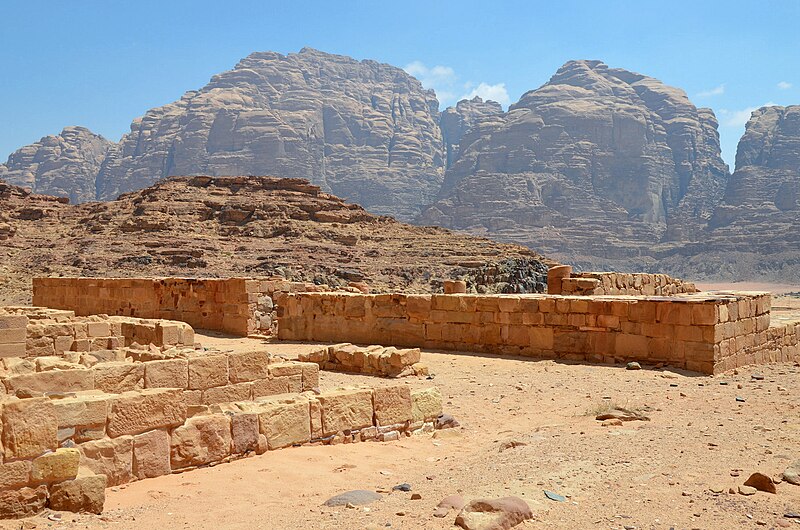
656	474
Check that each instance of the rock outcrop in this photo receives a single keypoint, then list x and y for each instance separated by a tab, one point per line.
596	165
362	130
241	226
753	232
65	165
456	121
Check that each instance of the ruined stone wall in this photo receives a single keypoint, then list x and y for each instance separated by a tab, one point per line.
239	306
56	332
64	448
704	332
606	283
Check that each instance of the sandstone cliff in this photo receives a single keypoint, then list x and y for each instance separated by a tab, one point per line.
363	130
456	121
65	165
753	232
595	166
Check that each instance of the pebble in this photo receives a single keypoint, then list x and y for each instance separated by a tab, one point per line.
740	399
405	486
747	490
416	496
633	365
757	377
761	482
355	497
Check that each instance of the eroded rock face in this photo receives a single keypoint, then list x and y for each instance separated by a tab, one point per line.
64	165
598	162
363	130
456	121
753	233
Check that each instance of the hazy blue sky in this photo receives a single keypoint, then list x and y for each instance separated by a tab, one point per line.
102	63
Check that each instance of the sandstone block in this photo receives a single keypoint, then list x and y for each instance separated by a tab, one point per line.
310	376
345	410
84	409
53	381
244	433
112	457
138	412
248	366
118	377
30	428
85	494
285	422
201	440
22	502
151	454
392	404
57	466
208	371
228	393
169	373
15	474
426	405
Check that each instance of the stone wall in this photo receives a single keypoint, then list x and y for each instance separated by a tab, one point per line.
13	330
57	332
610	283
240	306
705	332
62	451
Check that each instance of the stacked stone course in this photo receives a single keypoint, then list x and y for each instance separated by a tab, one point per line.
374	360
239	306
562	281
706	332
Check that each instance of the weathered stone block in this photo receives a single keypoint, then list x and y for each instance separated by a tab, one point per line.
84	409
118	377
201	440
285	422
138	412
392	404
169	373
244	432
53	381
228	393
85	494
22	502
15	474
151	454
426	405
30	427
57	466
345	410
248	366
208	371
112	457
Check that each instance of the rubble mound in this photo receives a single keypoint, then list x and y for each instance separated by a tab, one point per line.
232	226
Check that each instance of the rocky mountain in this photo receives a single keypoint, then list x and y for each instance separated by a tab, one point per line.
753	231
595	166
360	129
456	121
66	164
242	226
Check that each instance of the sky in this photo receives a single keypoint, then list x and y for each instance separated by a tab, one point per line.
100	64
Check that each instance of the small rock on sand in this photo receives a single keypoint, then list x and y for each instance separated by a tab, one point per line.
355	497
494	514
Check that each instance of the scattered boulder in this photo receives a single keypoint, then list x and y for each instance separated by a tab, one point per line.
355	497
761	482
792	473
446	421
453	502
494	514
87	494
633	365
